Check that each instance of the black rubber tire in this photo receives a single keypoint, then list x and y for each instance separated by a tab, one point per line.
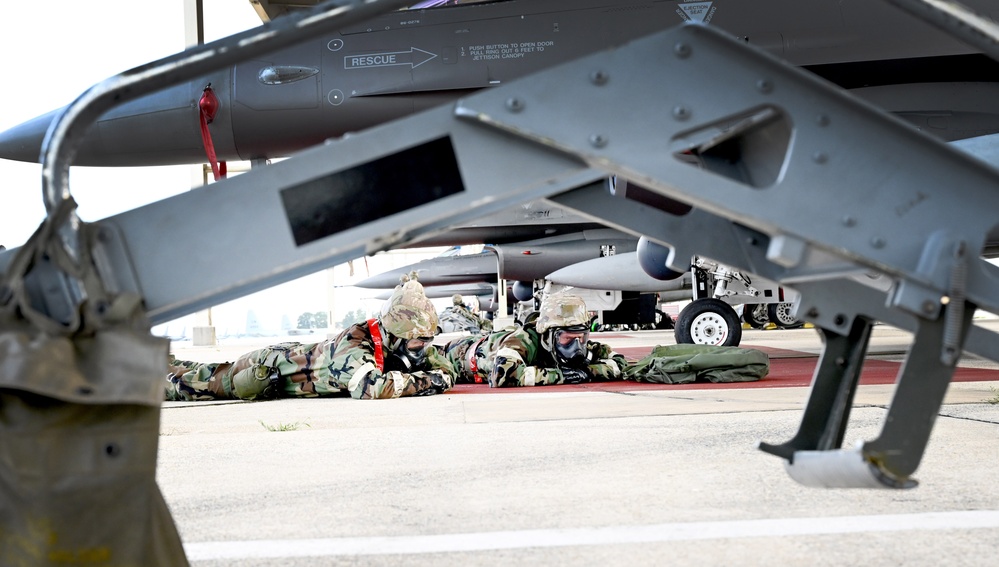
756	315
780	314
708	321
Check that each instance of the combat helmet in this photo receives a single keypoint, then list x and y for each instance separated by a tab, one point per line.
560	309
407	313
563	324
457	299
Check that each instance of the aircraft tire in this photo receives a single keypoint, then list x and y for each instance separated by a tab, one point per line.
756	315
708	321
780	314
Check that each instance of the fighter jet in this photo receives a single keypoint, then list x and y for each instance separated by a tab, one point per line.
523	263
518	261
483	294
436	52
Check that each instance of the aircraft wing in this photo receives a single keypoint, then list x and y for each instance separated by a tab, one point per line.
527	222
524	261
270	9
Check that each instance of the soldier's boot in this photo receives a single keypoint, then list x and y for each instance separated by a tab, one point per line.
257	382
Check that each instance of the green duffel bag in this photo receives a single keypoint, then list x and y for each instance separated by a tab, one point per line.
685	363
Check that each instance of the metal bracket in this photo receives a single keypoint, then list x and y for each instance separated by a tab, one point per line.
843	301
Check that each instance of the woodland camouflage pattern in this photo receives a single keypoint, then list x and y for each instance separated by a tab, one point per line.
516	358
462	317
341	366
460	351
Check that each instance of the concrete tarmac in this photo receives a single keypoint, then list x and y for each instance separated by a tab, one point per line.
645	477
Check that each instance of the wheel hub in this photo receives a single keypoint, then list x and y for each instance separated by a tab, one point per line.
784	313
709	329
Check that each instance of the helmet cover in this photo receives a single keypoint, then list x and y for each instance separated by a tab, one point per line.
560	309
407	313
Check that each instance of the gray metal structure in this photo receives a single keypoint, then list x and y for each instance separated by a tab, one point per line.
357	76
770	139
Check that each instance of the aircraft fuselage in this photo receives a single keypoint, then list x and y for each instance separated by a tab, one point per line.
407	61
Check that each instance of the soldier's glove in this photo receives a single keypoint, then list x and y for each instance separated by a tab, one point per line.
257	382
574	376
437	385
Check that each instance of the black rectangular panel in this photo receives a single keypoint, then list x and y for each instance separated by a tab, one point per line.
331	204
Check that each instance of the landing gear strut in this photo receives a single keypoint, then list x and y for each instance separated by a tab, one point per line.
755	315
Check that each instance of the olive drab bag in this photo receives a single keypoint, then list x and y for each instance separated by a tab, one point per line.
79	420
685	363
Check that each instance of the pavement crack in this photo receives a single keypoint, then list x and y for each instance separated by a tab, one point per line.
966	418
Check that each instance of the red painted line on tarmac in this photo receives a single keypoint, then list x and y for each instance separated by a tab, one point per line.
787	369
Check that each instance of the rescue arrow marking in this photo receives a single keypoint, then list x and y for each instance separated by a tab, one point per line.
414	57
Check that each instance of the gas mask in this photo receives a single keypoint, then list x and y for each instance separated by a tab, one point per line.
408	354
570	345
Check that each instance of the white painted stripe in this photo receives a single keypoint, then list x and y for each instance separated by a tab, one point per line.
613	535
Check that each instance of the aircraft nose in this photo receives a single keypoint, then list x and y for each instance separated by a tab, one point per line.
24	141
162	128
385	280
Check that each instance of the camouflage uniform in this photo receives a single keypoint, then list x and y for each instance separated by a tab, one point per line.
471	356
352	362
466	320
521	357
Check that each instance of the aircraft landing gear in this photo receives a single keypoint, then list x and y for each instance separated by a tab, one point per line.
780	314
755	315
708	321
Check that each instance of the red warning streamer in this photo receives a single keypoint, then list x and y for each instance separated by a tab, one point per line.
376	337
209	105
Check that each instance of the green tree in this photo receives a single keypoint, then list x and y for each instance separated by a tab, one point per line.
352	317
306	321
317	320
322	319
